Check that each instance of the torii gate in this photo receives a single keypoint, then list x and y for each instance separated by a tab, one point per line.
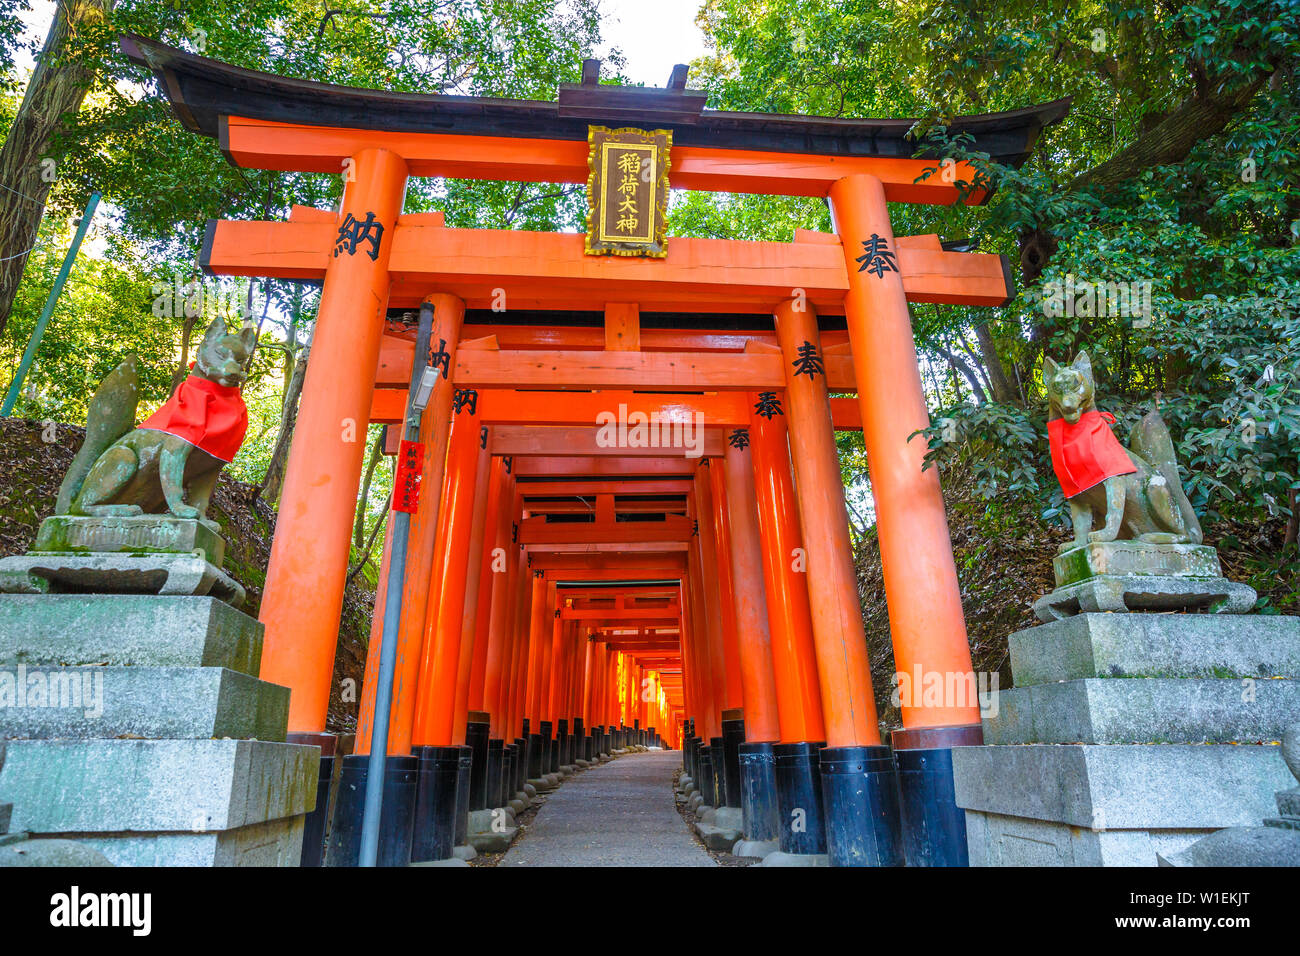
536	341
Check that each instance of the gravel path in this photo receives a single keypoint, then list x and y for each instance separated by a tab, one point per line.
617	814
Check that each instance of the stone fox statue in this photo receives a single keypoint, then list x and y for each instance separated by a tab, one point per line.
1131	494
170	464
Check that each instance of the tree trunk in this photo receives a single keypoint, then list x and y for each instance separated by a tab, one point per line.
187	338
1202	115
56	89
1293	523
359	530
274	481
1003	391
1169	141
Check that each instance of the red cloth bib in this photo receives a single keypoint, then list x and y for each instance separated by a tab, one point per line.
1086	453
206	414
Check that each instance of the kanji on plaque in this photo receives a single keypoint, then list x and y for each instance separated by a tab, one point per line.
410	471
627	191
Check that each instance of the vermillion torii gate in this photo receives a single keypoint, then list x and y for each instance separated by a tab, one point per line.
697	591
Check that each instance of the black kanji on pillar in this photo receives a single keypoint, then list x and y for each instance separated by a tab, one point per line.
465	398
877	259
739	439
353	232
768	405
809	362
441	359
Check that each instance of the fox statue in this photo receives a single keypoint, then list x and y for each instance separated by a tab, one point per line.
171	462
1114	493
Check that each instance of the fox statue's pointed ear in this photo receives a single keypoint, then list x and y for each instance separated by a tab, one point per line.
248	335
215	331
1083	364
1049	368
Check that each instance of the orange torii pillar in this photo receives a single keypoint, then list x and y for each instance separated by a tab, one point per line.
435	429
926	622
785	577
706	721
539	645
600	680
856	774
751	747
690	705
577	664
716	640
473	653
515	680
496	576
584	700
794	656
309	555
437	826
551	692
726	588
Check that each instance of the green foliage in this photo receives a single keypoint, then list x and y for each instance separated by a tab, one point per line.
103	315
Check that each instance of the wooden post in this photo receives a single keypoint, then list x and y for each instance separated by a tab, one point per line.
472	655
708	709
726	586
710	602
440	658
435	429
499	571
519	622
478	613
309	554
754	641
848	707
538	633
926	621
794	654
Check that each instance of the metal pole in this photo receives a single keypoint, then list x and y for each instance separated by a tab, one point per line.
34	342
392	616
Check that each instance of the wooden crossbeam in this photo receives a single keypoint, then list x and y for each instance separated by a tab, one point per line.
647	566
610	547
670	464
552	441
539	531
668	371
503	406
589	487
265	144
583	506
541	269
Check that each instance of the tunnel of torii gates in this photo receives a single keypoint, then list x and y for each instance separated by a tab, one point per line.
570	581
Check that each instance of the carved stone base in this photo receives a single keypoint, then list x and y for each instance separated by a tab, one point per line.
1136	576
1136	558
118	574
1139	592
142	534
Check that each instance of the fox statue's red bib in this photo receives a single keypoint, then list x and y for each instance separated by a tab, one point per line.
1086	452
207	414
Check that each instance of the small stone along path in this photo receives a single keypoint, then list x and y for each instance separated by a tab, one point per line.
620	813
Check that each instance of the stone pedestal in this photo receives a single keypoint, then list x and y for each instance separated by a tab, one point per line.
145	554
136	725
1136	576
1129	736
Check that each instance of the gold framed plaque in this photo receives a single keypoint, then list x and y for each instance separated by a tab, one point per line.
627	191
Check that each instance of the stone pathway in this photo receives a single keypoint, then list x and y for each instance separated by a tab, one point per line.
617	814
